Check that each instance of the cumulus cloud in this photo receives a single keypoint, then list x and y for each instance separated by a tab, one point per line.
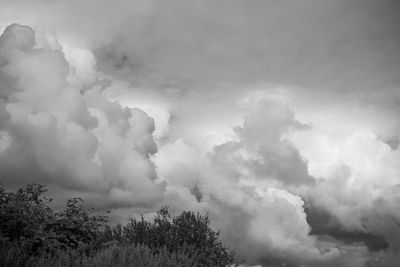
52	132
357	190
59	128
280	119
256	214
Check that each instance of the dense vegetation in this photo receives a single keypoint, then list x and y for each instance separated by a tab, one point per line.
33	234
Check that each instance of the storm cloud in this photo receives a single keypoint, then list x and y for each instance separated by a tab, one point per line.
280	119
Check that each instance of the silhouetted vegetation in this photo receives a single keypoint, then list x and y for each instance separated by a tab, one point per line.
33	234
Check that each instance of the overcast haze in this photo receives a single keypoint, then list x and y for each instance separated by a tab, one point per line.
279	118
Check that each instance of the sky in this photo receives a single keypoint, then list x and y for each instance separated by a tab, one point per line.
278	118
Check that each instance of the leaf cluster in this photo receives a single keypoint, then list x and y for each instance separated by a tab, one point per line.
189	232
30	227
27	218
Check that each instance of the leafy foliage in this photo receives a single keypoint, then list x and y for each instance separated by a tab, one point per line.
26	218
31	228
188	232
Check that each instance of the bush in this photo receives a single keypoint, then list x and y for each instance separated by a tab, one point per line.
32	234
187	232
26	218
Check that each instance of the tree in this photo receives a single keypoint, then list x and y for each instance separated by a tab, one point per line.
29	223
27	218
189	232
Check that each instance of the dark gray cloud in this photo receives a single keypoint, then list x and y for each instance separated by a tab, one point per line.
324	223
278	118
348	45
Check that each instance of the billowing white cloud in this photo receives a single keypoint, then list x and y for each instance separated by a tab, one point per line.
358	185
56	133
244	183
280	119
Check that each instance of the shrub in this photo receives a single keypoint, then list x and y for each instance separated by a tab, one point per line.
26	218
75	226
188	232
32	234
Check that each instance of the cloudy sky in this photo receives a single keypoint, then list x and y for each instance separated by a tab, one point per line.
279	118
